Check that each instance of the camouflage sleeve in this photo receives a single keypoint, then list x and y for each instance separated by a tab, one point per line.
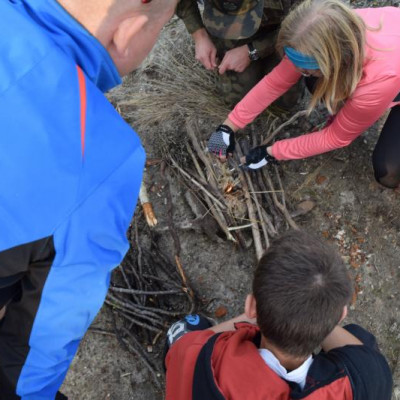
274	12
265	43
189	12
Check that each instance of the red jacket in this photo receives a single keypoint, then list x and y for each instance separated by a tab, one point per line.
203	365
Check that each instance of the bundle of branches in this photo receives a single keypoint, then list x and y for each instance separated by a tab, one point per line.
236	197
148	293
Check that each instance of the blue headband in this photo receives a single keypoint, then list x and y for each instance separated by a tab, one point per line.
301	60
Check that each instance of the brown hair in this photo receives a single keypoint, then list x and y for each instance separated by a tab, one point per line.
301	286
335	35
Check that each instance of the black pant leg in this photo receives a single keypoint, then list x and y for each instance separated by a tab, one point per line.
386	155
31	264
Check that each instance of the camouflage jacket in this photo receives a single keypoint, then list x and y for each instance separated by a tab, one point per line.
263	40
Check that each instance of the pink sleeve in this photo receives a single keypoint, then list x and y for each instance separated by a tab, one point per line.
271	87
368	103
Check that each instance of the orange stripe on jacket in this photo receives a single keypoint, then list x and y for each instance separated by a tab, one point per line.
82	95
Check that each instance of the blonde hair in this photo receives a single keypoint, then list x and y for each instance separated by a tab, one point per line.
335	35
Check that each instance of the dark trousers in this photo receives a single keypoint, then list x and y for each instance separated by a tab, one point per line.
20	291
10	288
386	155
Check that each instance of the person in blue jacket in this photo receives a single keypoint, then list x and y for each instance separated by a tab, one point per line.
70	173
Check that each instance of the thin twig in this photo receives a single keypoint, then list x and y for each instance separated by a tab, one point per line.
235	228
288	122
247	186
101	331
145	292
216	213
279	205
136	349
194	181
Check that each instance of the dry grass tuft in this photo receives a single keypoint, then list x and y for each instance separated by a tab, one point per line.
169	87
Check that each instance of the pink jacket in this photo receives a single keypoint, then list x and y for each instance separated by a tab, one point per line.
379	85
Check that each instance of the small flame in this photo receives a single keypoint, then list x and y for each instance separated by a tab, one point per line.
229	187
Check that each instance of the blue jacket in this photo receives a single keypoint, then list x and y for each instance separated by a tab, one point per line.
70	170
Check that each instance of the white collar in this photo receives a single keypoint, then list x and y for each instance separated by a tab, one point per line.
298	375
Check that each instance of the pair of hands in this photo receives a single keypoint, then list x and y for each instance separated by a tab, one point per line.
222	144
236	59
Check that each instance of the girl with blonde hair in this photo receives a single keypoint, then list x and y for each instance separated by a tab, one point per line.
353	58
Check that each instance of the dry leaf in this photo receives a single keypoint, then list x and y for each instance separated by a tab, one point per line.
220	312
354	298
153	161
355	265
320	179
357	290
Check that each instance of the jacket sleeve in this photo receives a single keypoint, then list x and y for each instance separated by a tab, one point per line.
274	13
271	87
189	12
88	245
361	111
265	44
366	367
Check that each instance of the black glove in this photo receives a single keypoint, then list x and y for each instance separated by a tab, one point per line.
222	141
258	157
189	324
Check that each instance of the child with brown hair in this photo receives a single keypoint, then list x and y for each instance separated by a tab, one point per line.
301	290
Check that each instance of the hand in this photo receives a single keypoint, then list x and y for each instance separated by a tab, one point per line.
257	157
236	59
205	51
222	142
188	324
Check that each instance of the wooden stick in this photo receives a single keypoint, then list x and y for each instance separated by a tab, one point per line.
235	228
268	199
266	191
192	130
252	217
250	188
147	206
145	292
217	214
280	206
193	133
288	122
270	227
183	276
201	187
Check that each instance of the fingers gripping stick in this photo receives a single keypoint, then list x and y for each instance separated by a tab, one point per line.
258	157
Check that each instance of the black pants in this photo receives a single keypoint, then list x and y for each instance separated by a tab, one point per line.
11	294
386	155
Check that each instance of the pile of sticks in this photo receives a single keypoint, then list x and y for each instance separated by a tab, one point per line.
148	292
223	187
